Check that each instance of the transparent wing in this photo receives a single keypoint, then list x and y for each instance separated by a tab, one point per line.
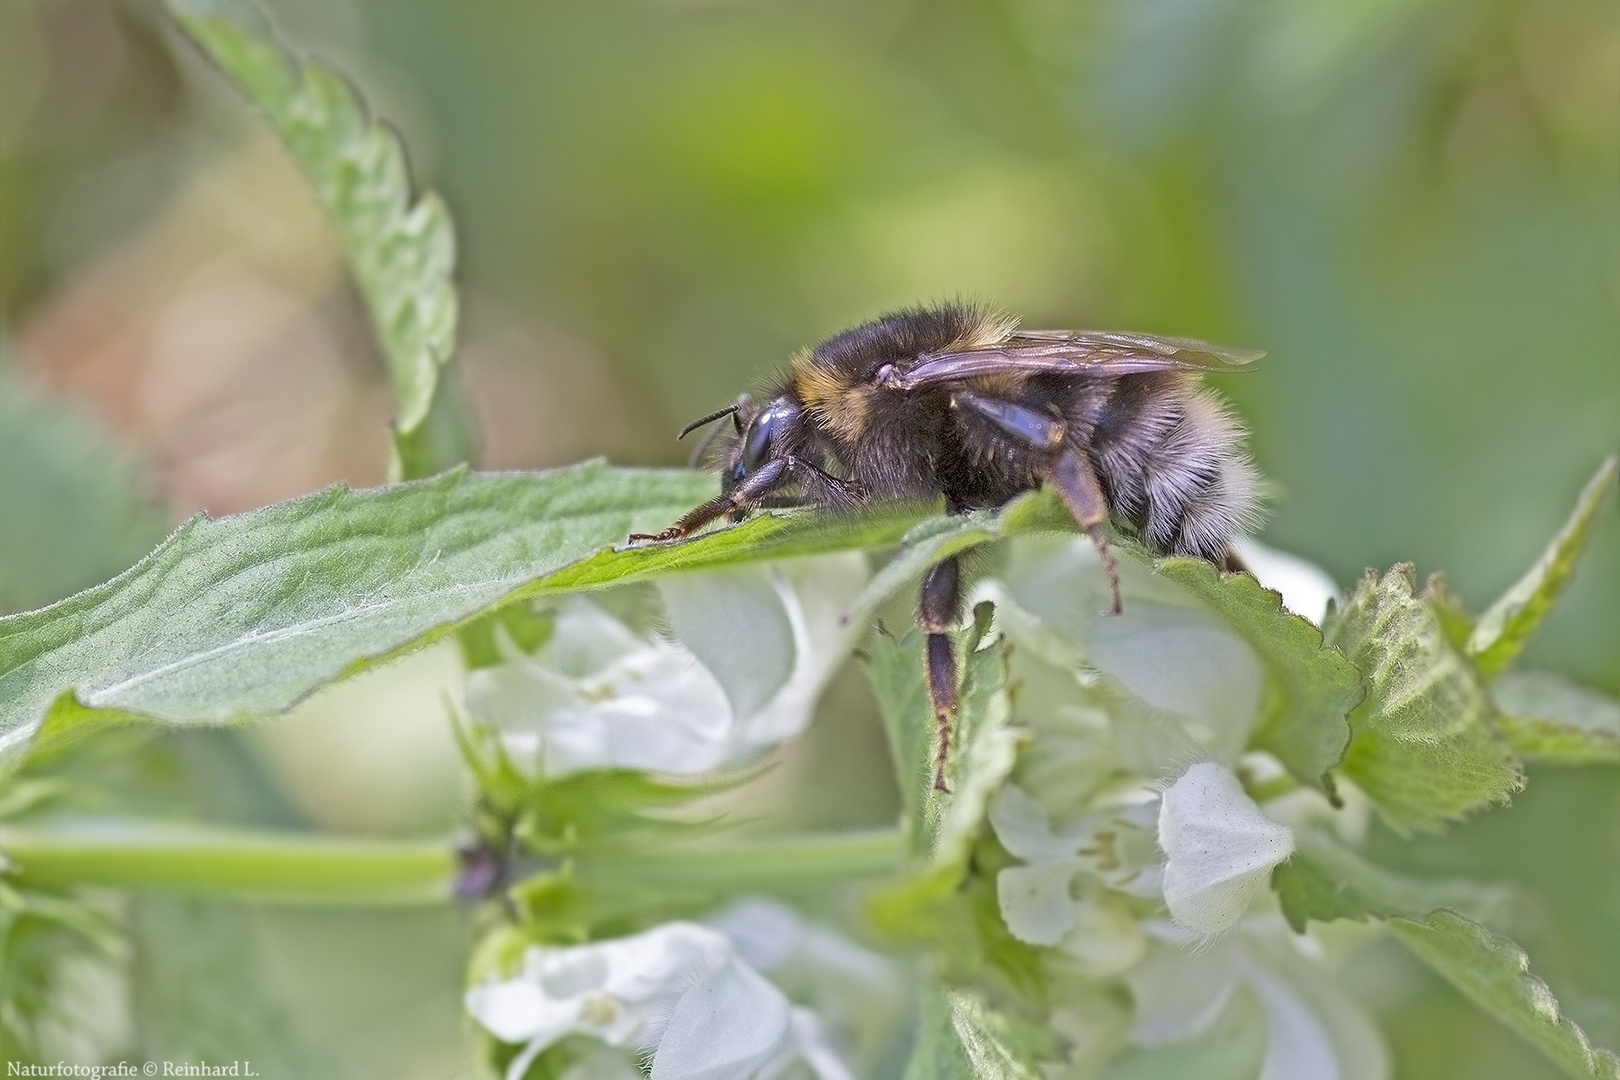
1099	351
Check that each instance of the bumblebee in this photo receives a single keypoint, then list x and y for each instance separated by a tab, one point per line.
953	401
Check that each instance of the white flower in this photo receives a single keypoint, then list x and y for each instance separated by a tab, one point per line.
754	646
1261	978
679	989
610	989
1047	901
1219	848
858	995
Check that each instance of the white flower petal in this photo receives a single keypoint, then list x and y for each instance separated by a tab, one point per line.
1184	661
1305	587
735	623
1035	900
1022	826
856	993
765	933
1219	848
726	1027
810	1044
656	709
609	989
513	1011
1358	1045
585	639
1297	1044
1105	940
815	592
1179	994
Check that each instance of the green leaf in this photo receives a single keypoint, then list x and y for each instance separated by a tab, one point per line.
1449	609
41	937
1494	973
1551	721
1507	624
244	616
1304	722
962	1037
402	252
72	513
1325	880
942	825
1424	748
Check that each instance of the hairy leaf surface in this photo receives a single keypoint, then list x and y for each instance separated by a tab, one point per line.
1304	722
243	616
1425	748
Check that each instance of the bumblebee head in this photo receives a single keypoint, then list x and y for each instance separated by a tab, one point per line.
761	437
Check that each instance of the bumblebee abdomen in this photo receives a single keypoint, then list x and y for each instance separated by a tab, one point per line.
1172	463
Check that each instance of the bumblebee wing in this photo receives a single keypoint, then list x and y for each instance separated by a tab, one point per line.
1099	352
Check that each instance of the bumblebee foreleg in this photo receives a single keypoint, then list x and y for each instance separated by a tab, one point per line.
745	496
939	606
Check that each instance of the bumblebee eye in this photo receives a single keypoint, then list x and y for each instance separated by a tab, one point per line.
768	424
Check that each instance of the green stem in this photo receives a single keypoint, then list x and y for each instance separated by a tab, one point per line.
768	863
283	867
308	868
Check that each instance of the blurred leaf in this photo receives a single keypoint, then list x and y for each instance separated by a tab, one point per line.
247	615
1494	973
1305	723
445	438
40	934
1326	881
1548	720
961	1037
526	629
203	989
402	253
609	808
1507	624
1449	609
72	510
1424	748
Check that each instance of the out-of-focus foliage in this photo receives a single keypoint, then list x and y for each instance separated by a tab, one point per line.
76	510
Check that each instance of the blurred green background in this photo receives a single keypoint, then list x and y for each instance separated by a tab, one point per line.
1411	205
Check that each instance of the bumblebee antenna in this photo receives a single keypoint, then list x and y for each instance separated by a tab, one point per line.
729	410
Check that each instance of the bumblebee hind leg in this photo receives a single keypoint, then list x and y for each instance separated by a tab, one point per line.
939	606
1077	485
1067	470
